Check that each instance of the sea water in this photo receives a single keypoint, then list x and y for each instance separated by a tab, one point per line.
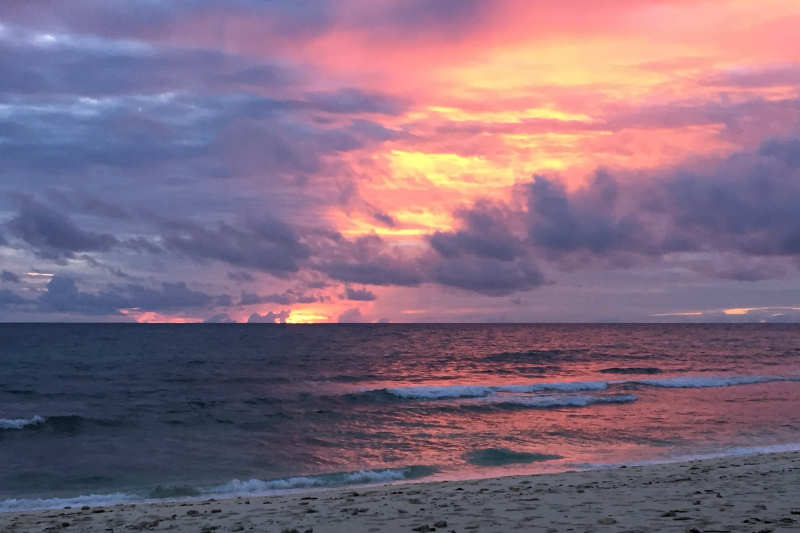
99	414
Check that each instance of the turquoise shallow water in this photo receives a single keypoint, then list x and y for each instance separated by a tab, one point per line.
131	412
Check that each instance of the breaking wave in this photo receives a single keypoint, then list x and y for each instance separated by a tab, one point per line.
19	423
560	400
449	392
704	382
360	477
92	500
433	392
57	424
229	489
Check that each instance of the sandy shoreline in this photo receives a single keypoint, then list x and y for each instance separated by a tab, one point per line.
754	493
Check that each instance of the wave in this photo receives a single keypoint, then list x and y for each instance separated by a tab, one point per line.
448	392
504	456
19	423
360	477
704	382
29	504
58	424
229	489
558	400
434	392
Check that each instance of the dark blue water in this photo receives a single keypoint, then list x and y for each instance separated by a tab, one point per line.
125	412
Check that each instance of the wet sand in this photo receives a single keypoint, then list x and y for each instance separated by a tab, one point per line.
754	493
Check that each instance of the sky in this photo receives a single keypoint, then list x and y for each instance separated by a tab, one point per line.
399	160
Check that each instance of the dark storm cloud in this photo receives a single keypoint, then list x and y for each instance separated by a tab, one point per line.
37	62
170	296
785	150
287	297
154	137
268	245
488	276
53	235
64	296
142	245
9	277
383	218
584	220
59	136
471	265
283	146
113	270
287	19
86	203
155	105
219	318
363	294
744	205
203	135
240	276
119	18
485	255
370	261
739	268
42	65
350	100
380	270
269	318
747	204
9	298
351	316
485	233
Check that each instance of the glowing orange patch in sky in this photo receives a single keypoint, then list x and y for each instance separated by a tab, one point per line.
152	317
307	316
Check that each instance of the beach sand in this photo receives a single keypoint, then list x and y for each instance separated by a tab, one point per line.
754	493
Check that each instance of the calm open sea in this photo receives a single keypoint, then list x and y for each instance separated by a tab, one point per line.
93	414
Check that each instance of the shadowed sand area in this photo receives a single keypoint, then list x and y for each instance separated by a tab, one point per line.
754	493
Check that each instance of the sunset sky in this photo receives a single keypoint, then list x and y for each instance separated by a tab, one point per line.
401	161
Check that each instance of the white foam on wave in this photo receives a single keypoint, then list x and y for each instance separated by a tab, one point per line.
19	423
703	382
444	392
92	500
565	386
229	489
561	400
769	448
361	477
433	392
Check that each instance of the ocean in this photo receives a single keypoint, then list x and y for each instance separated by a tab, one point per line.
106	413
